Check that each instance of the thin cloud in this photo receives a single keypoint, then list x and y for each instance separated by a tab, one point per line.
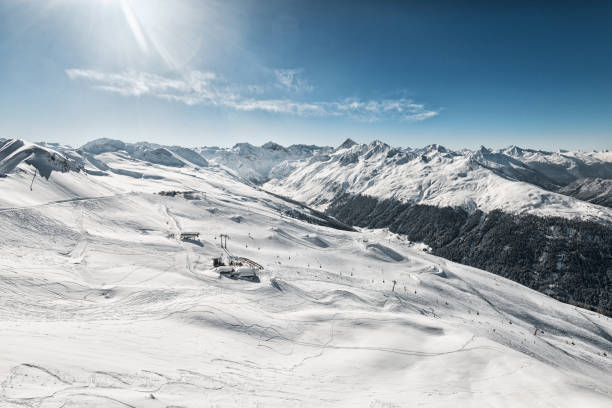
291	79
373	110
208	89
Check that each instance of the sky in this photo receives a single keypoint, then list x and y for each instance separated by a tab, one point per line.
537	74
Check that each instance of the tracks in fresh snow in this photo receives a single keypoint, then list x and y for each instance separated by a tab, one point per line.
69	200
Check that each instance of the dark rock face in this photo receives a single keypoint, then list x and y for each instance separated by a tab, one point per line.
570	260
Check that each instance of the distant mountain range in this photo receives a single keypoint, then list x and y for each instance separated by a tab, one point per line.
434	175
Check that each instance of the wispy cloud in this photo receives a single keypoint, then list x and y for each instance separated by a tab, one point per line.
209	89
292	80
372	110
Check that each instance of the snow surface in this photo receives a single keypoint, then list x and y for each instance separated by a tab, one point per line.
103	307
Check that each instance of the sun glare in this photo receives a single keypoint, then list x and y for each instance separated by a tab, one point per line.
161	34
134	26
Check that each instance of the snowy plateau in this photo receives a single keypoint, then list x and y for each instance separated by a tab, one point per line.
102	304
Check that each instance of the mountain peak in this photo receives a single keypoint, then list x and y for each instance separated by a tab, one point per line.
274	146
103	145
378	142
378	146
348	143
483	150
513	150
435	147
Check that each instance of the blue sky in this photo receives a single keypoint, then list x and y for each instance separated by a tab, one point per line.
410	73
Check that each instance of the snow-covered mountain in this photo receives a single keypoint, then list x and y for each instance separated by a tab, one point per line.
258	164
495	210
504	211
564	167
592	190
103	306
174	156
512	180
16	153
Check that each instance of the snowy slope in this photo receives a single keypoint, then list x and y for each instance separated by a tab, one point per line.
103	307
434	175
593	190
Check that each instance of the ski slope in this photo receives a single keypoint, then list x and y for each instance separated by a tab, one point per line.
103	307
